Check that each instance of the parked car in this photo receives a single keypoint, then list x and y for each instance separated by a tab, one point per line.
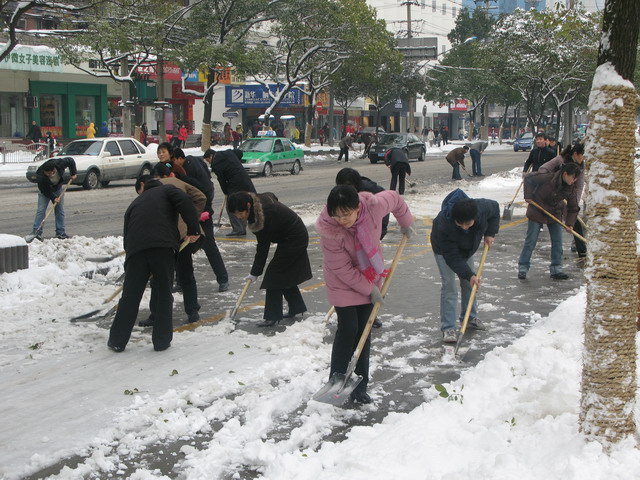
524	142
101	160
265	155
412	145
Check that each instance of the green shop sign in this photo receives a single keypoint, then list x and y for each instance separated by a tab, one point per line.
34	59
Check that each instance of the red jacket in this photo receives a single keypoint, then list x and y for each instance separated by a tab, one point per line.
182	134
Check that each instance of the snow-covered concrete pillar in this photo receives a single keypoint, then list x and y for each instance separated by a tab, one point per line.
14	253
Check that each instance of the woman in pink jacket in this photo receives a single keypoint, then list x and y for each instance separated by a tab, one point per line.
349	228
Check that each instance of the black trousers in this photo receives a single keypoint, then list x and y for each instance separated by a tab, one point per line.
187	280
344	151
351	322
398	173
213	254
273	302
156	262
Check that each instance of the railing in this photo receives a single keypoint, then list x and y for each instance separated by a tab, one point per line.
21	153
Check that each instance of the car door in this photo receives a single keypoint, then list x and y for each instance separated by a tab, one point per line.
112	161
289	154
132	158
415	146
279	155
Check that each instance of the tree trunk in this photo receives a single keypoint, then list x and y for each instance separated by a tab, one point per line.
609	365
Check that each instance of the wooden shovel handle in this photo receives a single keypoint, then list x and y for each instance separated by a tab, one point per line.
473	290
577	235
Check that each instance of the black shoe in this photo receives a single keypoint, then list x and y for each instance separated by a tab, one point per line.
176	289
360	397
522	275
236	234
161	348
63	236
115	348
291	315
377	323
267	323
147	322
193	317
582	255
224	286
559	276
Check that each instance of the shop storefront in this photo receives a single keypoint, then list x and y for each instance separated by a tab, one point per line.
66	109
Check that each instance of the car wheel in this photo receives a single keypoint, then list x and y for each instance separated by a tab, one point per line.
92	180
422	154
373	159
145	170
105	183
268	169
515	149
295	170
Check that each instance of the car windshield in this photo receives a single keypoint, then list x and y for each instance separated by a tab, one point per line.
527	136
261	145
388	139
82	148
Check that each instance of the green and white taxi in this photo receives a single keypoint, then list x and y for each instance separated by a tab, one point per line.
266	154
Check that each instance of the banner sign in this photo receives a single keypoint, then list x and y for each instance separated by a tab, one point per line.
247	96
33	59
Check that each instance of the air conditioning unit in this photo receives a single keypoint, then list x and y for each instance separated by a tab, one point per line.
30	101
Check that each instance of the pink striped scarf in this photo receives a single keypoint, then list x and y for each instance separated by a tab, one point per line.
368	253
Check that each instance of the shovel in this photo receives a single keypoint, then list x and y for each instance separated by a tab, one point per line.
465	170
224	202
112	296
29	238
472	297
240	298
105	259
338	389
507	213
577	235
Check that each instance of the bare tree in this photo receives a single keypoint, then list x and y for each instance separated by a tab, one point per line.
609	365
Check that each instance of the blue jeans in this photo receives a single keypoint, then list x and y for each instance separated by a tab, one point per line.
476	167
456	172
533	230
43	203
449	295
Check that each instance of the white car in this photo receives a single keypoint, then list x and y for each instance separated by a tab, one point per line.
100	160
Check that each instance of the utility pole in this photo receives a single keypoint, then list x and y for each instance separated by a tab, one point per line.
412	98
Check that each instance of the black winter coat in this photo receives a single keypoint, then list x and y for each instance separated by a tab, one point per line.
232	176
273	222
457	245
195	168
46	187
151	221
537	158
395	156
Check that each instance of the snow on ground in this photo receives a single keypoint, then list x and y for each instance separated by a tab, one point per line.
65	393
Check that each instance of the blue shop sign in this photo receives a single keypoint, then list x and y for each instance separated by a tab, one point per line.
247	96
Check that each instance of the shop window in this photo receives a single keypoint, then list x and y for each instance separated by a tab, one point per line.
50	110
85	110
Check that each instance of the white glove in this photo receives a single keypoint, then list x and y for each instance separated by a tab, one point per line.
253	278
408	231
376	296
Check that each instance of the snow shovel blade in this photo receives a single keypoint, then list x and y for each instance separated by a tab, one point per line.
337	390
84	316
507	213
105	258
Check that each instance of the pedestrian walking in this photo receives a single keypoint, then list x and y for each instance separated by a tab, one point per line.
475	151
398	162
49	178
151	240
549	190
90	132
458	229
232	178
353	265
272	222
345	144
35	133
431	138
103	131
456	159
183	134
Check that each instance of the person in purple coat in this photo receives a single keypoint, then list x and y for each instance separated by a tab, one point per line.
349	228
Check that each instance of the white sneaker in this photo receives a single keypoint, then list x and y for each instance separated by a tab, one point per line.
449	336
